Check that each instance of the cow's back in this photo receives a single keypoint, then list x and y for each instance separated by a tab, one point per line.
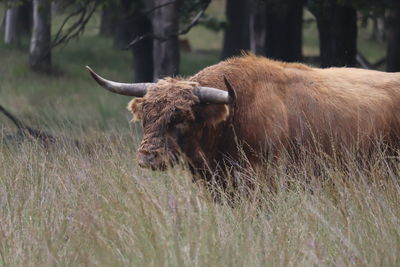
345	107
282	103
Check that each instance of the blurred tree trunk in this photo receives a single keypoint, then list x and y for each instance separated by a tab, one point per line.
393	38
3	21
124	13
284	30
107	21
128	23
378	29
142	52
17	21
337	27
237	33
257	27
166	54
11	35
40	47
25	18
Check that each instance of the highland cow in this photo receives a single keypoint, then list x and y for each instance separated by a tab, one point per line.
262	108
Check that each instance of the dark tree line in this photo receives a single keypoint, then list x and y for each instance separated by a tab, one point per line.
275	28
151	29
236	37
337	28
393	38
125	21
32	19
156	23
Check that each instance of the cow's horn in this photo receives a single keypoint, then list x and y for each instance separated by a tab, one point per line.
211	95
129	89
216	96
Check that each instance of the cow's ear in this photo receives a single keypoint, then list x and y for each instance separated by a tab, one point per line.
214	115
231	90
135	107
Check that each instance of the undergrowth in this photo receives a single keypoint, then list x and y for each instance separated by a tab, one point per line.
65	205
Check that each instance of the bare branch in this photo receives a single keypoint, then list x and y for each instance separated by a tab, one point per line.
43	137
151	10
16	121
73	14
78	27
194	22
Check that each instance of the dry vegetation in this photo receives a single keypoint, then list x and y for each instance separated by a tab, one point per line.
94	206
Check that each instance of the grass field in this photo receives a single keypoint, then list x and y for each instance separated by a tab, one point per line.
92	205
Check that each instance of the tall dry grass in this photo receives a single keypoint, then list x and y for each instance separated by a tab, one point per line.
93	206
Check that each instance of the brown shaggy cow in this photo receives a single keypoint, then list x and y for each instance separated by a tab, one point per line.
271	107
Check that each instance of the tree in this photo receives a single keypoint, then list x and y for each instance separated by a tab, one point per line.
142	52
236	37
162	34
17	21
25	18
107	20
378	29
154	28
11	21
284	26
337	27
276	29
129	21
258	27
165	23
393	38
40	47
2	24
125	12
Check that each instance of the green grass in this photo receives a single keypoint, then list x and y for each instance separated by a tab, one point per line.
92	205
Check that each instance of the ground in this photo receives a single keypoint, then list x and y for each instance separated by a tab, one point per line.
91	204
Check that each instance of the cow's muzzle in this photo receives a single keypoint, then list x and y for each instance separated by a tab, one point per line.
150	160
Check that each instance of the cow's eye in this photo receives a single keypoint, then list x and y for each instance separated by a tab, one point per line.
181	127
174	121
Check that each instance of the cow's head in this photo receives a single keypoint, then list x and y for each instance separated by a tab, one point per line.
174	114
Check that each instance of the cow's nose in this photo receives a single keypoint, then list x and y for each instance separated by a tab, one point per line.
146	159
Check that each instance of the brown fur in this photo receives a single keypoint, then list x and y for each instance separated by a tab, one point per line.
279	106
